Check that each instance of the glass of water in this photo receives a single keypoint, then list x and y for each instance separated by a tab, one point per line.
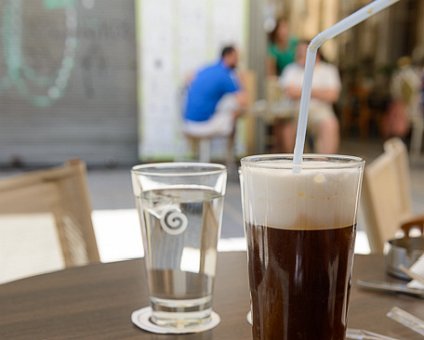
180	208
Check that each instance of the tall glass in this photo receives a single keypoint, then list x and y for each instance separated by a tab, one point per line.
180	207
300	229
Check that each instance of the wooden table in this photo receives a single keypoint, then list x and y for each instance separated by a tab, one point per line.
96	301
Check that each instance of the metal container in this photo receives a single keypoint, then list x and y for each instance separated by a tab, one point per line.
404	251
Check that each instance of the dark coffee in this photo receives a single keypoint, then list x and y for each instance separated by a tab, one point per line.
299	282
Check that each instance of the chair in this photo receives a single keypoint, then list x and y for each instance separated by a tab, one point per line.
201	147
61	191
386	195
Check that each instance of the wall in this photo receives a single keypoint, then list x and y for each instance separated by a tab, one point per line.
67	81
190	35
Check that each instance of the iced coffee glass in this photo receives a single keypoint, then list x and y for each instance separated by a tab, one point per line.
180	207
300	229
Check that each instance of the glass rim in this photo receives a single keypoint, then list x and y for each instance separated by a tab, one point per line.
178	169
326	161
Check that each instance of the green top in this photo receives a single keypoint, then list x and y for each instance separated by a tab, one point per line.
283	57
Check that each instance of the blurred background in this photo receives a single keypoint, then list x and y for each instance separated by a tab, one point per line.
100	80
97	79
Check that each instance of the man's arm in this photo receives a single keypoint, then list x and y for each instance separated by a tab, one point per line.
242	96
326	95
331	90
329	94
236	84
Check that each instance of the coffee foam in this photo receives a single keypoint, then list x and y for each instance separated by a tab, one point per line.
311	199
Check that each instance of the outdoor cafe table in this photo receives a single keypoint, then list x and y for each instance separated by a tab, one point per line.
96	302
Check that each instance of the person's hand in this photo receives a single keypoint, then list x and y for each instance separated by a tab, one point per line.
293	92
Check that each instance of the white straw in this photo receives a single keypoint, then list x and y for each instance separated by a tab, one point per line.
343	25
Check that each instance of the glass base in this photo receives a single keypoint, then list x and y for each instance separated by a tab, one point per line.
180	313
142	319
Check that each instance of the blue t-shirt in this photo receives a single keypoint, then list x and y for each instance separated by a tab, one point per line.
207	88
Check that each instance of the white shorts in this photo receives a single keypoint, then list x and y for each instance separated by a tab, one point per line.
220	124
319	114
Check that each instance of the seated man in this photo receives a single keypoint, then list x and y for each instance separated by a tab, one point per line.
326	85
214	98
